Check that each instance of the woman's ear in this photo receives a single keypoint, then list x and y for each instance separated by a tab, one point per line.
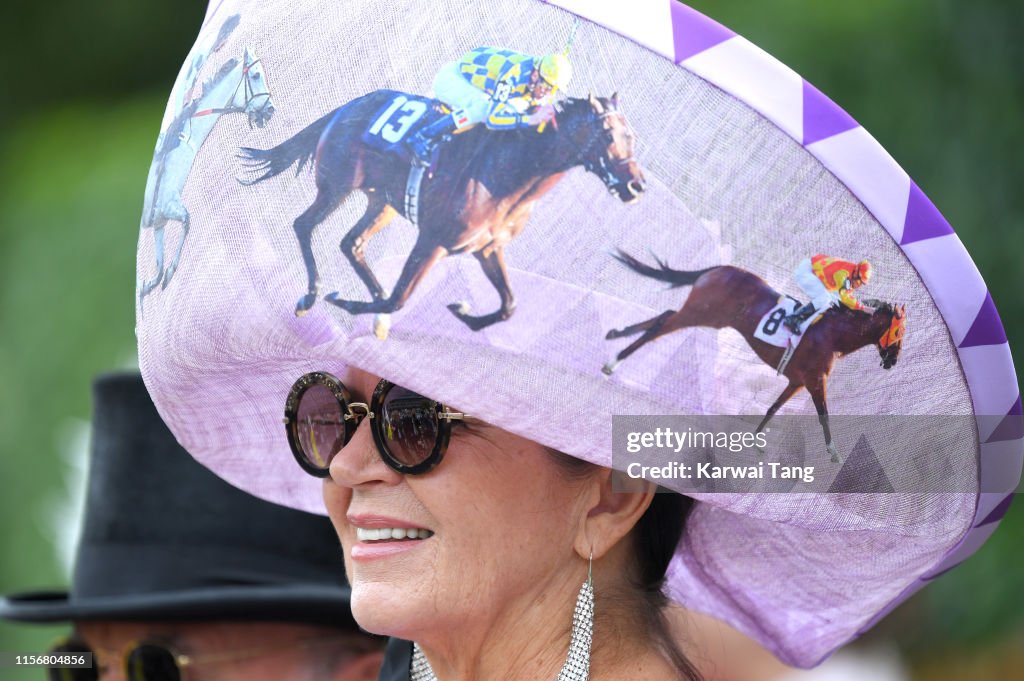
616	503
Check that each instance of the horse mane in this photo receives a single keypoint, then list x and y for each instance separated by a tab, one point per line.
213	80
569	105
881	305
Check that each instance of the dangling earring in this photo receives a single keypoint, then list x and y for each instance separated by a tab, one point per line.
577	663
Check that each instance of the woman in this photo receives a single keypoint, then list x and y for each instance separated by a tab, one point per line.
476	570
513	504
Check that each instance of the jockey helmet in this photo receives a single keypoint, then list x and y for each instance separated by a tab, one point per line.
863	271
556	70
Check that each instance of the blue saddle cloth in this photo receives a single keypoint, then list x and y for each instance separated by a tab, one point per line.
398	118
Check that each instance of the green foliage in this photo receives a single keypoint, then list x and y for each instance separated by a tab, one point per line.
72	184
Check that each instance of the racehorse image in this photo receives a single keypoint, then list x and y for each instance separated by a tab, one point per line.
479	196
238	87
727	296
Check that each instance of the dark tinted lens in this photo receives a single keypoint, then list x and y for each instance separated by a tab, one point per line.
321	427
73	674
151	662
409	426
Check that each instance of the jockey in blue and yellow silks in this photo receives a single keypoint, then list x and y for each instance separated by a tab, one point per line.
503	89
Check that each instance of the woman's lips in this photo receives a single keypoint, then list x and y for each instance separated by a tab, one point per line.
380	536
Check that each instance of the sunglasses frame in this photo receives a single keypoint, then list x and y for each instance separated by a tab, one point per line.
182	661
352	419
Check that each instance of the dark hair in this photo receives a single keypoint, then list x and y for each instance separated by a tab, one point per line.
657	534
655	537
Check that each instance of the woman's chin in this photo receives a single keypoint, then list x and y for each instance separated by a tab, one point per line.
387	609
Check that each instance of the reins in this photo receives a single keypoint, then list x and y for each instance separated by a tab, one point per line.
247	93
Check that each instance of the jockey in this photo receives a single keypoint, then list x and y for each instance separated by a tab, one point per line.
828	281
503	89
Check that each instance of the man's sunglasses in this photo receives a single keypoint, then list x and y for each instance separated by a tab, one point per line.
411	431
151	661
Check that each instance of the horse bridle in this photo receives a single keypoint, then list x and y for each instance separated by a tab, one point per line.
889	342
602	167
248	93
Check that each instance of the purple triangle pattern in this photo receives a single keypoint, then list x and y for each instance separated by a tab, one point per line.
999	511
923	221
862	472
1011	427
822	117
987	328
692	32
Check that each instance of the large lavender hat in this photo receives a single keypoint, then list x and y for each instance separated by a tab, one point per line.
678	154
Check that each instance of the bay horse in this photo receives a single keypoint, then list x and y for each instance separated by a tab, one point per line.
483	188
240	86
726	296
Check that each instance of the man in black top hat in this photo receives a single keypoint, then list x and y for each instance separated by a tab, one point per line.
179	576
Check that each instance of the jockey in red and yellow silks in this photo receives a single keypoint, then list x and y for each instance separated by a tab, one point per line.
828	281
503	89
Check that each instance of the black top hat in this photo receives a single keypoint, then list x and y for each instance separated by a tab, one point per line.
164	538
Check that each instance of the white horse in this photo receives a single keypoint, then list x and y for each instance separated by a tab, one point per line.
236	88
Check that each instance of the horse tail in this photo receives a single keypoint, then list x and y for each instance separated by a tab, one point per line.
662	272
298	149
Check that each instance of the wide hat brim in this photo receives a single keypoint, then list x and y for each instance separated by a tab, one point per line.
746	164
300	604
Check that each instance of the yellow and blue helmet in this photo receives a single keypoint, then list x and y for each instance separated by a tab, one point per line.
556	70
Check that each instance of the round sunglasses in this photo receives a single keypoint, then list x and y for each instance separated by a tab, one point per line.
411	431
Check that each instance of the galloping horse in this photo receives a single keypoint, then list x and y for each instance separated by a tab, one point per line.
727	296
479	197
238	87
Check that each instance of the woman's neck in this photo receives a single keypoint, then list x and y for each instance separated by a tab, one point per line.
523	641
530	641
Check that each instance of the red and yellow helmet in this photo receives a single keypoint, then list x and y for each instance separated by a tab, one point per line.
862	273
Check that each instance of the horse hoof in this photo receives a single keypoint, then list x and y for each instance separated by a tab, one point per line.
459	309
610	366
835	454
614	333
381	325
305	302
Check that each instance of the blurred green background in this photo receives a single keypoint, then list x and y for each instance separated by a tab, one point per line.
940	83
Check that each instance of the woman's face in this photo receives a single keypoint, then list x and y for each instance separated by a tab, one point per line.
500	518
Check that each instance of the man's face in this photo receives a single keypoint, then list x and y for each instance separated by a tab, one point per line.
540	88
238	651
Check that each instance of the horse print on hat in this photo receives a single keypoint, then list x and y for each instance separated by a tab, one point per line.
730	297
466	168
238	86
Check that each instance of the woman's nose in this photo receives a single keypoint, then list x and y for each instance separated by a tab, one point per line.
359	463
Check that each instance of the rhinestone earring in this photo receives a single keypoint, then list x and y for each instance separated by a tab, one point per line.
577	663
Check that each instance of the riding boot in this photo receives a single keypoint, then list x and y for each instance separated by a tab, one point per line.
793	321
423	141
